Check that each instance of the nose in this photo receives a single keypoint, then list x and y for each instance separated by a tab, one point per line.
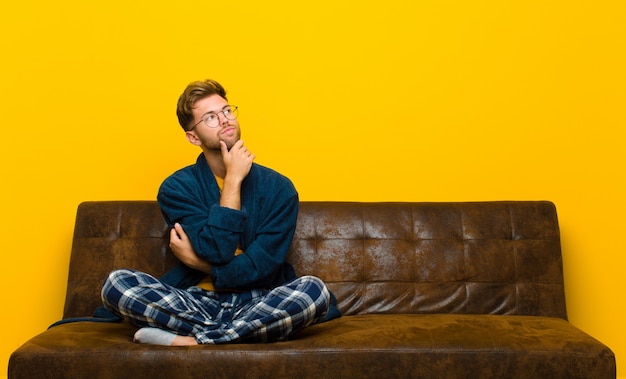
222	117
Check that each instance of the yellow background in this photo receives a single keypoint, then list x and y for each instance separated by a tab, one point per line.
399	101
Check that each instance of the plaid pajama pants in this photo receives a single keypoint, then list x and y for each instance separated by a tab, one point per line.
216	317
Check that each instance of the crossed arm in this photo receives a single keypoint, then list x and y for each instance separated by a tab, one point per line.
182	249
210	237
237	162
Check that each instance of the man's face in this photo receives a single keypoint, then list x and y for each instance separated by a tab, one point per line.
226	130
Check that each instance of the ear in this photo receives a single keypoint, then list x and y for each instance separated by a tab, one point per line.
192	138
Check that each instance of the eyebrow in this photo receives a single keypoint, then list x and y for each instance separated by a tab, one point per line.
215	112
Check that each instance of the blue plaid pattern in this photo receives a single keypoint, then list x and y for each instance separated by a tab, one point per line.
216	317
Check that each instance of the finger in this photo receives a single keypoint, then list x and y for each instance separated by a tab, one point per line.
224	148
173	238
239	145
173	235
180	231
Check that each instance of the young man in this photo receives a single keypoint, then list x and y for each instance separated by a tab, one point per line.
232	224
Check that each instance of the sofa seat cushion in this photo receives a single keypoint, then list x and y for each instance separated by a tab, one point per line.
362	346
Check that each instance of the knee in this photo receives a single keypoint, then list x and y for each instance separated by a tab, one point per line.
319	292
119	276
115	283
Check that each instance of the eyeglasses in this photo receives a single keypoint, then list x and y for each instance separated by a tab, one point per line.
212	119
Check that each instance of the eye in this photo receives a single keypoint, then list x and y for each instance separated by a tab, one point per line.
210	117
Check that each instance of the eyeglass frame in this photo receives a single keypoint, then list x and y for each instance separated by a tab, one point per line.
233	109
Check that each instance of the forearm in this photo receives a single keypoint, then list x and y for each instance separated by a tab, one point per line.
182	249
256	268
237	164
214	233
198	264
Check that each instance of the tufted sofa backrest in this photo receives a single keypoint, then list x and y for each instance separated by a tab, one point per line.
479	258
482	258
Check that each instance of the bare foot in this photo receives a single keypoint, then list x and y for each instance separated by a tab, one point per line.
184	341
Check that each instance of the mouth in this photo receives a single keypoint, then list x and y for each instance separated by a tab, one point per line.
228	131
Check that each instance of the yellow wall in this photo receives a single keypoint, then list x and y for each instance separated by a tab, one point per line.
403	101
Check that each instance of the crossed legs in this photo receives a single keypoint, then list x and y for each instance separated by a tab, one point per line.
187	317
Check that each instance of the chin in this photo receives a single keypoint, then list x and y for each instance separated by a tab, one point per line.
230	142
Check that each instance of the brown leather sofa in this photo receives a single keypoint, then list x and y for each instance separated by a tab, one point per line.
428	290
